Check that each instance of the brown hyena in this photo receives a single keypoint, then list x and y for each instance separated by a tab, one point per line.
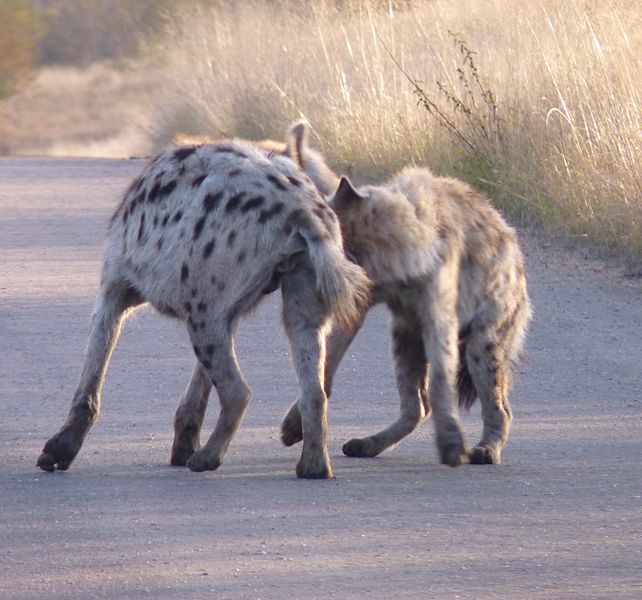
451	272
202	235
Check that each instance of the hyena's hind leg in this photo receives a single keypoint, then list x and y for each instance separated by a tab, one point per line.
305	319
337	344
412	383
115	298
214	347
189	416
489	371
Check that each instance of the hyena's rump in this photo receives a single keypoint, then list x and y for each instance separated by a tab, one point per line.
451	271
202	234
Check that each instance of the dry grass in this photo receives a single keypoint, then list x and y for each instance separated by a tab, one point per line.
557	142
99	111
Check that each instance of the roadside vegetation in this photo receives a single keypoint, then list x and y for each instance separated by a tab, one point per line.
537	104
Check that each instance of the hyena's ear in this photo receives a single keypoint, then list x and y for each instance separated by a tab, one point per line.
346	194
296	142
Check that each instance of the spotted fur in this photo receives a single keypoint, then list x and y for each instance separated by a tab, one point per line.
450	270
183	202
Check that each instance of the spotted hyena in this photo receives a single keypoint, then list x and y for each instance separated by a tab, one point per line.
202	235
451	272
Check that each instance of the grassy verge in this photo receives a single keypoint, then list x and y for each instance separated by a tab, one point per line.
537	104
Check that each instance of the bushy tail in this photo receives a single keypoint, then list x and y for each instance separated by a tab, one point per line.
466	390
343	285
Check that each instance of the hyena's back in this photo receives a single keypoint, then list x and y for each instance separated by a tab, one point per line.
220	221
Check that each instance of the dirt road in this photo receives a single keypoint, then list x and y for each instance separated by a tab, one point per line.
560	518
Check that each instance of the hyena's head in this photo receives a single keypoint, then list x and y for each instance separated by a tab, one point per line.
381	231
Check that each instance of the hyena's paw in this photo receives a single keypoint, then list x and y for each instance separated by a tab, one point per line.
314	469
361	448
201	461
59	451
182	449
483	455
291	430
452	454
181	452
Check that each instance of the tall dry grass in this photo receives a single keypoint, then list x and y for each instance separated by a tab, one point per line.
538	104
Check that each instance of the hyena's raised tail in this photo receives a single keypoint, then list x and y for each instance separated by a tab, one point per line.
343	285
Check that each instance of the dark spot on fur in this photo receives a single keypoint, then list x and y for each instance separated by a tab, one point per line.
241	256
200	179
234	172
252	203
287	229
125	215
221	286
276	181
201	307
168	188
177	217
230	150
294	181
213	280
198	228
211	201
165	219
234	201
296	215
182	153
153	193
197	351
139	199
188	307
194	292
208	248
184	272
207	363
141	227
230	239
209	349
159	244
271	212
155	221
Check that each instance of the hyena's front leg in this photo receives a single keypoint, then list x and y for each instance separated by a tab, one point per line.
189	416
115	298
337	344
214	348
412	383
306	319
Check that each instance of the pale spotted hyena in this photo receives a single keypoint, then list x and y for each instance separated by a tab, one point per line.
451	272
203	234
